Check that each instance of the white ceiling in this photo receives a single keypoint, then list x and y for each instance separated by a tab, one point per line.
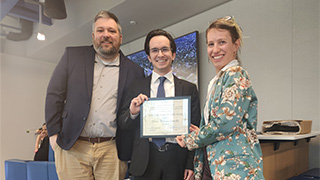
76	28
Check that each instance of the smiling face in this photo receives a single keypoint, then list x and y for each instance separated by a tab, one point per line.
106	38
221	50
161	60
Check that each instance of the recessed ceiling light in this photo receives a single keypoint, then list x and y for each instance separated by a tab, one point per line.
133	22
41	36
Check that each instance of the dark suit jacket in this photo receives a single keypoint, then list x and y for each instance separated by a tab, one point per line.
70	89
140	153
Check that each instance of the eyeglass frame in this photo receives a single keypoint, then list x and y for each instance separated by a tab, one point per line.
163	50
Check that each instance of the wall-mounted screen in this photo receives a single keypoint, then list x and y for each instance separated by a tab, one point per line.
185	65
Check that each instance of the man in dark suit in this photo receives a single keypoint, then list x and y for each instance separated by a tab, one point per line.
151	160
83	98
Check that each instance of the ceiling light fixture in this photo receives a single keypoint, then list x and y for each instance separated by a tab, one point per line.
40	36
133	22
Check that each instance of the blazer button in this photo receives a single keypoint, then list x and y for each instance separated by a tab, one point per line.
84	118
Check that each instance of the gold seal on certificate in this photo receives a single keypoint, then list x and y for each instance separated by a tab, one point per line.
165	117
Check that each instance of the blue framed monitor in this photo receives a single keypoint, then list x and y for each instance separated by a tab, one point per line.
185	65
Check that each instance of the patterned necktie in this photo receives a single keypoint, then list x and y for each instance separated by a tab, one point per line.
160	141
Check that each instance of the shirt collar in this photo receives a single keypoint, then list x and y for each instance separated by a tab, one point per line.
115	62
230	64
155	76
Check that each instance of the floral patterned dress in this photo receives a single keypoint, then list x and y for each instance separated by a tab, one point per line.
229	135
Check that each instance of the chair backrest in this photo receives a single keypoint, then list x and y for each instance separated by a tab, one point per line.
15	169
50	154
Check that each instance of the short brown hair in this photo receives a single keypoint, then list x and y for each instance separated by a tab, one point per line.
159	32
107	14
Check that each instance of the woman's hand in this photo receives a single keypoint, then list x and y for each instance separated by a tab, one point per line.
193	128
43	134
181	141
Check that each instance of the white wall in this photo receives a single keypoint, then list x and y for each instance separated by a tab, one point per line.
280	51
305	65
23	88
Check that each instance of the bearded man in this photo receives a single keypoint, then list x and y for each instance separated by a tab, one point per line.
82	102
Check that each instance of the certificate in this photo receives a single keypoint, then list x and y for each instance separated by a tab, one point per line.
165	117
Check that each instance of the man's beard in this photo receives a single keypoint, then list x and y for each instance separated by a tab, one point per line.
106	54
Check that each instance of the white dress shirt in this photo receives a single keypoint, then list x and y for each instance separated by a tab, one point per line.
168	89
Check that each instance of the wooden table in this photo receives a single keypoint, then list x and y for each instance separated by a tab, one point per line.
285	156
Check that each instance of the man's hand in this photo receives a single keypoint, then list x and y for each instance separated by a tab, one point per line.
188	174
53	141
136	103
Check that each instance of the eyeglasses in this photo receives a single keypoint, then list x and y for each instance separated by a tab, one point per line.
164	50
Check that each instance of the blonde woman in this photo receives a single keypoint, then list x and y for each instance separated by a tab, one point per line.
226	143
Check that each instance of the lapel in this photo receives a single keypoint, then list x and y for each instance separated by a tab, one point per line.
178	87
123	71
89	67
146	86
